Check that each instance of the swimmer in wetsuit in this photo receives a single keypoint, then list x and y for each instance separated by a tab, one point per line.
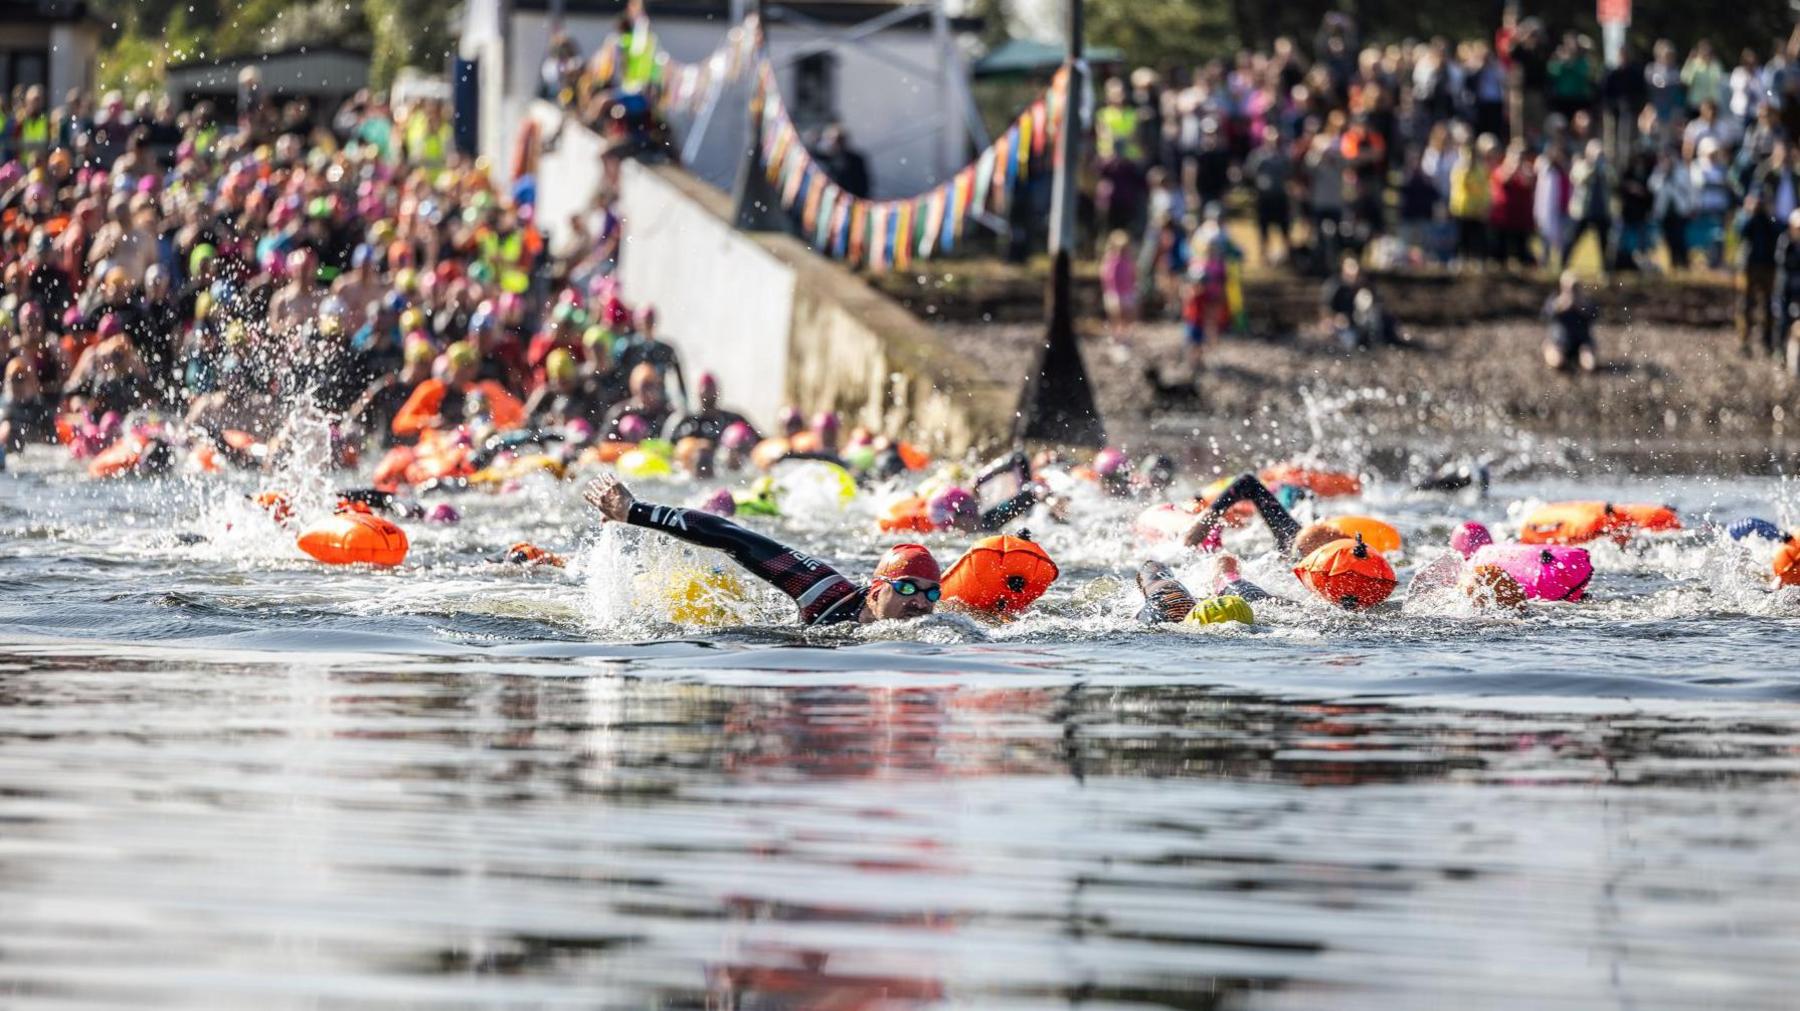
1166	600
1247	488
905	583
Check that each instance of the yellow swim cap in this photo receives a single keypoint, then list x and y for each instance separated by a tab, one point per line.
461	354
1219	610
560	364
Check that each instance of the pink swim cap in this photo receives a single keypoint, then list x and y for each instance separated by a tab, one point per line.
738	435
1110	462
947	506
1470	538
719	503
633	428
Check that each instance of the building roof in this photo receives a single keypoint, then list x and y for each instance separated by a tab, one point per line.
42	11
1025	57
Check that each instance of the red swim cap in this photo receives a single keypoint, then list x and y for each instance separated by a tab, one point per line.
914	560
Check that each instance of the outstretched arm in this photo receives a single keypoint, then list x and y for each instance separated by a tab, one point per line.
1247	489
812	584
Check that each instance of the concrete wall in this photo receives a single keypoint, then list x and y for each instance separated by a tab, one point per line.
774	322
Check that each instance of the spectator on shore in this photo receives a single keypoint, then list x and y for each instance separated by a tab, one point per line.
1512	189
1471	198
1271	175
1119	287
1787	261
1325	187
1590	202
1673	183
1550	205
1206	301
845	164
1714	198
1702	77
1637	204
1759	232
1354	315
1570	315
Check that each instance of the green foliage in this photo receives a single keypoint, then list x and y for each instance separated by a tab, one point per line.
408	33
145	36
1163	32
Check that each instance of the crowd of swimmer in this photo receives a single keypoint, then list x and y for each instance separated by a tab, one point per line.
175	300
1341	560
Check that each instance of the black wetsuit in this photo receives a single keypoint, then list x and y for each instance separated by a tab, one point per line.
1247	488
1165	599
1009	480
824	596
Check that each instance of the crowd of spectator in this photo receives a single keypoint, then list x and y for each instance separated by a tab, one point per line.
1520	150
211	277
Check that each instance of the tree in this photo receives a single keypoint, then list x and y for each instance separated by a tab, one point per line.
1163	33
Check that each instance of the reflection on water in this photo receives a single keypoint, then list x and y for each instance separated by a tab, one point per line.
214	830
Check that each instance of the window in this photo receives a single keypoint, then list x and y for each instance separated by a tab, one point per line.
815	91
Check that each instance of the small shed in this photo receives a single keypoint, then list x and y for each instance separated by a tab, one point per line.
53	43
324	75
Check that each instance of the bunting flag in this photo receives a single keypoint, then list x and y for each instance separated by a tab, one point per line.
1004	172
903	232
859	231
880	235
887	235
984	179
815	195
935	220
840	226
827	213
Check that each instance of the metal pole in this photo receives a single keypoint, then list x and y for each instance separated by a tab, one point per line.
1057	403
1068	147
757	208
940	41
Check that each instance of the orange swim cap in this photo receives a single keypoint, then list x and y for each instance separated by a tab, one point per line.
909	560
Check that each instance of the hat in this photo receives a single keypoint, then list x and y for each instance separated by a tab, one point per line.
909	561
1470	538
461	354
560	364
947	506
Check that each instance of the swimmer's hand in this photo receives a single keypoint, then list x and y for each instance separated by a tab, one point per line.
1203	527
609	495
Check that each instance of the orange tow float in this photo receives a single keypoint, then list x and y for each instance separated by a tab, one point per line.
355	538
1001	575
1580	522
1376	534
1348	574
1787	560
909	515
1322	483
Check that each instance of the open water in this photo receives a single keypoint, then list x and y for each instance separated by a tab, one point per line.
233	778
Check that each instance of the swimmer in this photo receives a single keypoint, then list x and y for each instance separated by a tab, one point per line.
905	583
1167	601
1247	488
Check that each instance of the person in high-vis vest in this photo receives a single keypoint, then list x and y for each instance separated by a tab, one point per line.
639	65
428	139
33	125
1117	136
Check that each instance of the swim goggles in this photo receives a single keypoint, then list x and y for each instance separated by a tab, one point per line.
906	588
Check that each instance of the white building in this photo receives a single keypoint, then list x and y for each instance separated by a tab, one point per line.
53	43
893	73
